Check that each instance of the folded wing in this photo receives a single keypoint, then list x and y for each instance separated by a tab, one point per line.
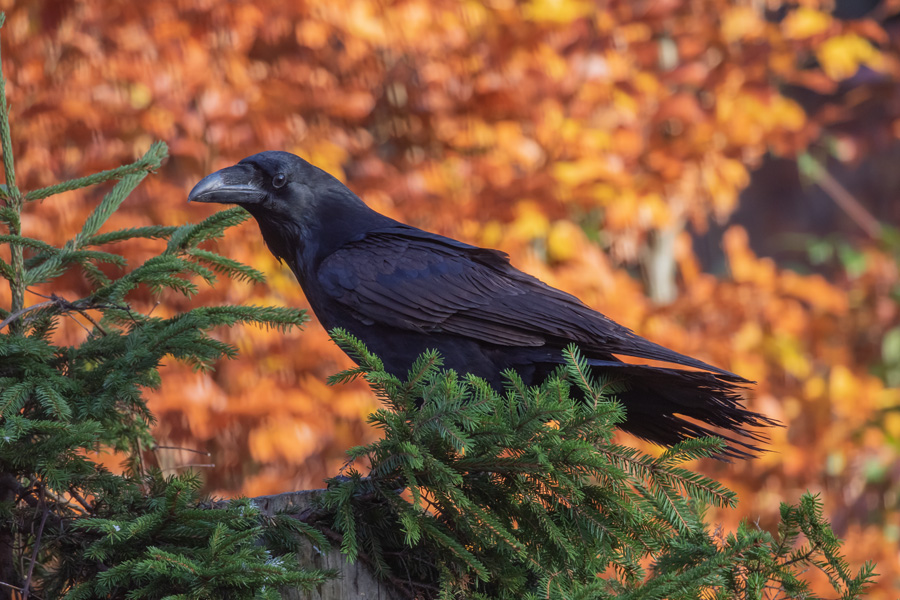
407	278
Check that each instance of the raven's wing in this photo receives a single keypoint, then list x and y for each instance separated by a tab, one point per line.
410	279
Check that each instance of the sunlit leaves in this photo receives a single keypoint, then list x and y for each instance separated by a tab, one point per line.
842	56
806	22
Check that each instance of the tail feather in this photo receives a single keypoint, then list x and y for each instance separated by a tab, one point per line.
666	406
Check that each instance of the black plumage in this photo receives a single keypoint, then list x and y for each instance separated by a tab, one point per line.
402	290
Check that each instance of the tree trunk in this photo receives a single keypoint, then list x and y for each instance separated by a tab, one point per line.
658	262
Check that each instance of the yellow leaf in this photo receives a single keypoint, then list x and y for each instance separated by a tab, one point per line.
604	193
892	424
624	103
140	96
328	156
814	387
724	179
557	11
842	385
550	61
743	263
475	134
598	140
530	222
491	234
655	211
742	23
748	337
562	241
573	174
805	22
362	22
791	355
842	55
734	172
646	83
889	398
788	113
793	408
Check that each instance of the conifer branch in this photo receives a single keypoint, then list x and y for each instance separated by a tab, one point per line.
532	473
36	546
13	316
148	163
12	191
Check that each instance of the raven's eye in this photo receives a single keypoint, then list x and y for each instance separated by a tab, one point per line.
279	180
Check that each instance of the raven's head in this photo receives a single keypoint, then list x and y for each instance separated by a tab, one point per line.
302	211
269	183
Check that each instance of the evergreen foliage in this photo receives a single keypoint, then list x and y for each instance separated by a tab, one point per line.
69	527
473	493
169	544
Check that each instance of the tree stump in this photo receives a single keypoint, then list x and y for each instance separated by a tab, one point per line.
354	579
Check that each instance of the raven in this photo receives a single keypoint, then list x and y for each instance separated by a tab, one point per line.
402	291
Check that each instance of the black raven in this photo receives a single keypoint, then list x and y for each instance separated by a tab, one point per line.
402	290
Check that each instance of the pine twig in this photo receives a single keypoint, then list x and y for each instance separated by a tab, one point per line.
190	465
854	209
13	587
37	547
12	317
80	499
65	307
157	447
147	163
12	190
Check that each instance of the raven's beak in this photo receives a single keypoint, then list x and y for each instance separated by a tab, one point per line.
232	185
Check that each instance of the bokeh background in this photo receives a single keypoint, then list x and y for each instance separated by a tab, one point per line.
722	176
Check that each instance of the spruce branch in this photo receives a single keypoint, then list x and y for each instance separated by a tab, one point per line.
139	169
13	200
70	527
12	191
63	306
36	546
527	486
190	235
151	232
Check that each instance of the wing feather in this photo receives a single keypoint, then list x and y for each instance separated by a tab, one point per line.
411	279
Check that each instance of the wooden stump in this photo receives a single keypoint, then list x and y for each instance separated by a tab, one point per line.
354	579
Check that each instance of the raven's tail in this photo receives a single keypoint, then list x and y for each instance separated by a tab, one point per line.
666	406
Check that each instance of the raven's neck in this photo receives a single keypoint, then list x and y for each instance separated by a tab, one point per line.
304	242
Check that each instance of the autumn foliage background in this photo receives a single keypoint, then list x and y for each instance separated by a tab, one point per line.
715	174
